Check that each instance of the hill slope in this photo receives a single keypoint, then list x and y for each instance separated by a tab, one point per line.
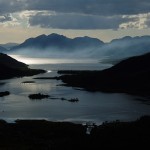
129	76
10	67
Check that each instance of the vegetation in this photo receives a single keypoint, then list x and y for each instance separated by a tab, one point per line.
45	135
10	68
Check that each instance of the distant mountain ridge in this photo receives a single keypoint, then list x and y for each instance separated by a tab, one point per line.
124	47
2	49
58	45
8	46
58	42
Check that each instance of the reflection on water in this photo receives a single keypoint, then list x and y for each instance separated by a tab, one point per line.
92	107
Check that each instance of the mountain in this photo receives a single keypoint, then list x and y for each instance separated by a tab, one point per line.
125	47
2	49
8	46
10	67
129	76
132	46
56	44
59	42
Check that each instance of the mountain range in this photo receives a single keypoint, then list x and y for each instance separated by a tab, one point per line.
55	45
2	49
59	42
8	46
126	47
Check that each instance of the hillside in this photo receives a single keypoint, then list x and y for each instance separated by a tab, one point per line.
128	76
10	67
45	135
11	62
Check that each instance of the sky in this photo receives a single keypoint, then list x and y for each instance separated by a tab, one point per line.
103	19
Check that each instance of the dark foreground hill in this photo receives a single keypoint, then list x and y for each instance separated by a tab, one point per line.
10	67
129	76
44	135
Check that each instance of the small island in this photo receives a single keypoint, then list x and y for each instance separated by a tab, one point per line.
28	82
6	93
38	96
73	100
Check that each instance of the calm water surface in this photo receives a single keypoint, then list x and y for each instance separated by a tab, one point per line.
92	107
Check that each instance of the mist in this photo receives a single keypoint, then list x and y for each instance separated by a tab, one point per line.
123	48
115	50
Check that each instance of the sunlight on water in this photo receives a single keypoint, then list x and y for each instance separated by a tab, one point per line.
33	61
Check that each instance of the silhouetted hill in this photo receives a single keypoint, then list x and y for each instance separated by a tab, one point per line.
58	42
45	135
125	47
11	62
10	67
129	76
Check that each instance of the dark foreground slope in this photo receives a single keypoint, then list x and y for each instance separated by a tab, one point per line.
129	76
44	135
10	67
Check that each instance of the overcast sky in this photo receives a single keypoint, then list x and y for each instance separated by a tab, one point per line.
103	19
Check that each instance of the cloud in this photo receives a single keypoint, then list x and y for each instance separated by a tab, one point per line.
136	21
147	22
93	7
5	17
76	21
78	14
11	6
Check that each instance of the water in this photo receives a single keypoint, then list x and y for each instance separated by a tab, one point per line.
92	107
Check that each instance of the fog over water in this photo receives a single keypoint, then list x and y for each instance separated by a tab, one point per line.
33	60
